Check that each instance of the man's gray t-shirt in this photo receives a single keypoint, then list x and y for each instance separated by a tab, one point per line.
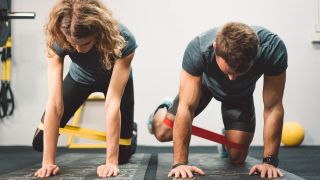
88	68
199	60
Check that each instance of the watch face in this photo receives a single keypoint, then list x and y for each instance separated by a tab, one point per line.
273	160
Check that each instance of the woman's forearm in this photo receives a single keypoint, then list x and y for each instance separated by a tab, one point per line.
51	132
113	125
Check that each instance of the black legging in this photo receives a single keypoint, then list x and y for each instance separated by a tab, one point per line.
75	94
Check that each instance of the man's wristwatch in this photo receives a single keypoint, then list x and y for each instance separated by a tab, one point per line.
272	160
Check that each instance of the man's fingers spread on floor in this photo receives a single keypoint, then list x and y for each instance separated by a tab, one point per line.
171	173
279	172
197	170
183	174
263	173
177	174
270	173
254	170
275	173
189	172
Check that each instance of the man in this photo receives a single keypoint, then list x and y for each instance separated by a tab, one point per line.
225	63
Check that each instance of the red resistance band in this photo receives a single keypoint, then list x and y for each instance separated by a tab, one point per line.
212	136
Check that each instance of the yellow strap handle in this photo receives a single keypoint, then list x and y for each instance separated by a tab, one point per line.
8	43
8	69
87	134
3	71
6	65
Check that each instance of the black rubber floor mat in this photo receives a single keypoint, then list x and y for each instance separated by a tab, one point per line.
215	168
83	166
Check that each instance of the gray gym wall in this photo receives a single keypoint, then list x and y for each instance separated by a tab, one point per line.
163	29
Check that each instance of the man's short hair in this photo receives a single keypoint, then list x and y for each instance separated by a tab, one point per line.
237	44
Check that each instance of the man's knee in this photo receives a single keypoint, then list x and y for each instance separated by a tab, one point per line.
236	156
161	131
240	137
164	135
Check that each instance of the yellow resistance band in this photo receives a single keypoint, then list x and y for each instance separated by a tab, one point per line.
86	133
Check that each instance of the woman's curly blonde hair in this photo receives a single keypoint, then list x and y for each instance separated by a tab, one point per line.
82	18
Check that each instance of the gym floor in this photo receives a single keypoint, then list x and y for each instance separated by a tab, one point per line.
302	161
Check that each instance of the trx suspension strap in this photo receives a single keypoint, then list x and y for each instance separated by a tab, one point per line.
6	95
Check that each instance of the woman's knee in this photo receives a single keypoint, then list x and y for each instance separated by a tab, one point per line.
126	151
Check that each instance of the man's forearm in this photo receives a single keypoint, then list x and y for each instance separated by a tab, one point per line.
272	130
181	136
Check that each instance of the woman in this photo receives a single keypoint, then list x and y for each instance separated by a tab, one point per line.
101	51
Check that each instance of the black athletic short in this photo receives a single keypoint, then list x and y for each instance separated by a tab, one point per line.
237	115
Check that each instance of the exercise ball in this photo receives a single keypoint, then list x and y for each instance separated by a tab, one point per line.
292	134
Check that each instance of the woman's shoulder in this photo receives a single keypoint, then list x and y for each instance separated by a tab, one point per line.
131	43
59	50
125	32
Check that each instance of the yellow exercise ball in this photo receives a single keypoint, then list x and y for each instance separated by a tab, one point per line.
292	134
